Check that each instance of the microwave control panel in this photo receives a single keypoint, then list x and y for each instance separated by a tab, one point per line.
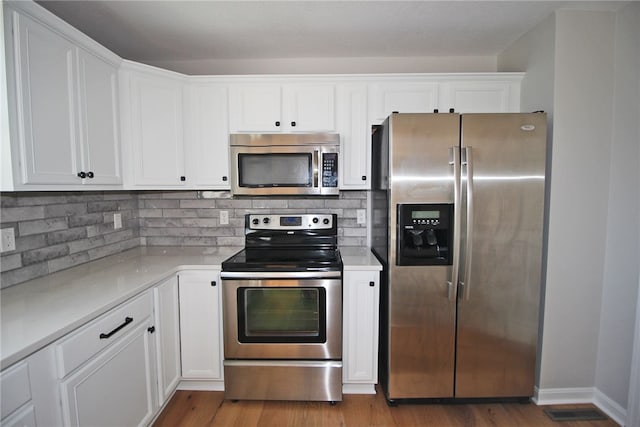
330	169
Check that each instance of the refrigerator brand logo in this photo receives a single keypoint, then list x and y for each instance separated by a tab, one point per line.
527	128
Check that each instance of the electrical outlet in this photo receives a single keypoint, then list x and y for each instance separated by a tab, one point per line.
361	216
224	217
7	240
117	221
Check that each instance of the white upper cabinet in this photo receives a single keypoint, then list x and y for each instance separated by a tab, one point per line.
99	119
207	136
153	131
414	96
355	136
63	109
480	96
272	107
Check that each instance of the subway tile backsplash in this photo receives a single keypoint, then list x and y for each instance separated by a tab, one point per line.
58	230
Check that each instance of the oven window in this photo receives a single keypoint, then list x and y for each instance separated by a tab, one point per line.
282	315
275	170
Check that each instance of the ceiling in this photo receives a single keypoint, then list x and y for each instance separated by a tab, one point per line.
177	30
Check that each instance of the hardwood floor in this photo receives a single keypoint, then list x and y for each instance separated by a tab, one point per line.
200	408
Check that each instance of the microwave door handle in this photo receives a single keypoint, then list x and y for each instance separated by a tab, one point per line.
316	155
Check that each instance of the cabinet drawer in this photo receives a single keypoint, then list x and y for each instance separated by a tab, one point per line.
15	388
88	340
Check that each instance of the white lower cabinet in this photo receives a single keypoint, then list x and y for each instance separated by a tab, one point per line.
167	325
201	329
116	386
360	301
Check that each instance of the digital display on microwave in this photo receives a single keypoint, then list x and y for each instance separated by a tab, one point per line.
275	170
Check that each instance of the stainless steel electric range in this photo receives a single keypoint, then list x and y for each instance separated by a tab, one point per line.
282	305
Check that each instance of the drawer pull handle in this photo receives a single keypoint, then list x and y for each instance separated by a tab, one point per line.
127	320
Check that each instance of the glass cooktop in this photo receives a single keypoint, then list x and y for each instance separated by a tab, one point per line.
284	259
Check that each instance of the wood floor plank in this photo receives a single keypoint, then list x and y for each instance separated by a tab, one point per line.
209	409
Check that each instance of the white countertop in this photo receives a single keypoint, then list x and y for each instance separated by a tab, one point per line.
38	312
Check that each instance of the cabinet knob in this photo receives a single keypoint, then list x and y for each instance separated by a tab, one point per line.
82	175
89	174
452	110
183	178
277	123
293	124
372	284
364	177
213	283
151	329
224	178
435	110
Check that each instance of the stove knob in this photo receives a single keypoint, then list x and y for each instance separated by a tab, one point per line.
325	221
255	221
265	220
315	220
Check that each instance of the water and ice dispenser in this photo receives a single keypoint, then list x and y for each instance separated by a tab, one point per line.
425	234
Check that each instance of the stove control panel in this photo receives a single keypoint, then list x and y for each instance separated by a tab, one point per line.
290	222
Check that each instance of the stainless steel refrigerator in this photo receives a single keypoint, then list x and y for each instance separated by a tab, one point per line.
458	207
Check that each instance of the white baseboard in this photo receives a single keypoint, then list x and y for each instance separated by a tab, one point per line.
199	385
564	396
358	388
616	412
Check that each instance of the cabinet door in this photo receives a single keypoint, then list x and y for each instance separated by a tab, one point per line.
355	140
403	97
157	131
309	108
480	97
46	106
255	108
167	337
361	298
201	325
99	119
116	388
207	132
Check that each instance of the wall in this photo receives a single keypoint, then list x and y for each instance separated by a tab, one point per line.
430	64
57	230
583	88
593	231
622	258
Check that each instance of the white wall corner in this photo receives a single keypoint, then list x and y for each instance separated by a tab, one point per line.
580	395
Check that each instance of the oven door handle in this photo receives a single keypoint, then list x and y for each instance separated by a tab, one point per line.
280	274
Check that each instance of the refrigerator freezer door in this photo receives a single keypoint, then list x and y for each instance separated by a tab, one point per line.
498	305
419	356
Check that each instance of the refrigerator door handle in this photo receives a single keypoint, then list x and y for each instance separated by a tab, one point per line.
467	162
452	285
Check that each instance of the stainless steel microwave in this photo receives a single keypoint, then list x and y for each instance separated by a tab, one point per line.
284	164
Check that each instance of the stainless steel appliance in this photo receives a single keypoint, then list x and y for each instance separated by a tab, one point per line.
284	164
458	216
282	308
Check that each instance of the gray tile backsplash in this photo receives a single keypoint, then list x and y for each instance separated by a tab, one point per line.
58	230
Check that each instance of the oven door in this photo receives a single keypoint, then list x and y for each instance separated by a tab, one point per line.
282	318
